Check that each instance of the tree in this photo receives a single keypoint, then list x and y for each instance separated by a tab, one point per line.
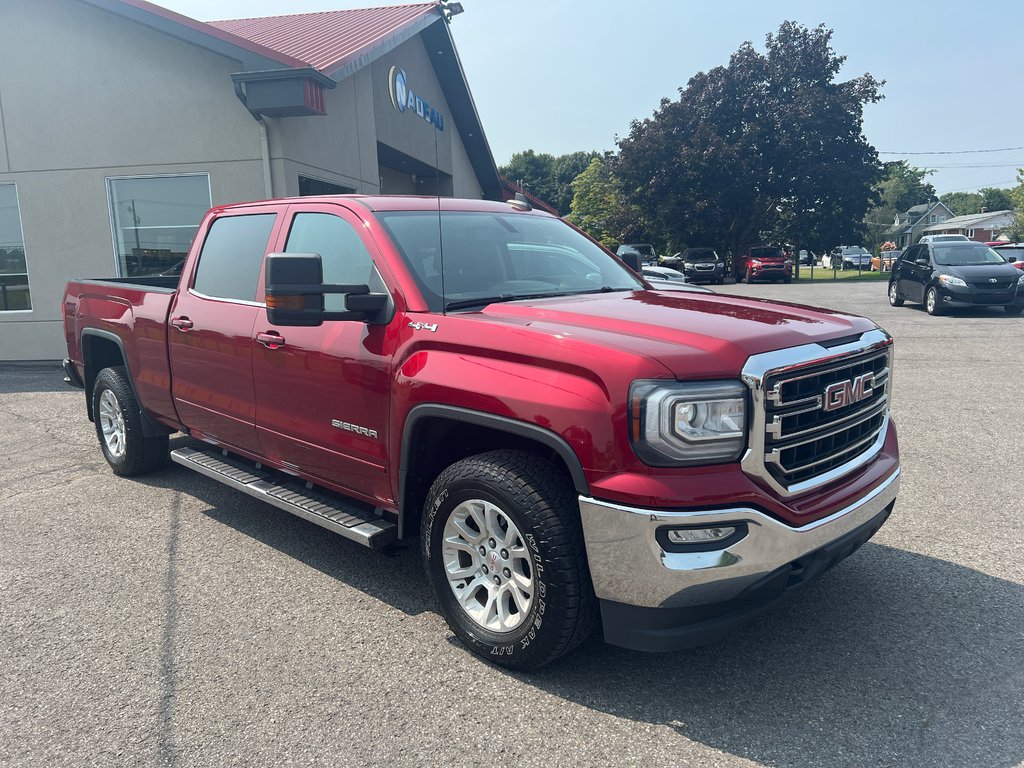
769	140
902	187
532	171
549	177
961	203
1016	232
989	198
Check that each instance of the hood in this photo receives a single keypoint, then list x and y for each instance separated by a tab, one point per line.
694	335
981	272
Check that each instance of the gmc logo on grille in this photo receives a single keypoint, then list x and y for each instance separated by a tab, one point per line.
844	393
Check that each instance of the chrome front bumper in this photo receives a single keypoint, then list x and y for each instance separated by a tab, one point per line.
629	566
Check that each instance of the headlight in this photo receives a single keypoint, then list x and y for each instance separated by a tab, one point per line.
787	263
1020	280
950	280
675	424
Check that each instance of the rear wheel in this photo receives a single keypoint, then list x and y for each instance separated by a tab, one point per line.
932	301
894	295
118	421
504	553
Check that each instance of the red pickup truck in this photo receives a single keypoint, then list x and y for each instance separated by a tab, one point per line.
570	446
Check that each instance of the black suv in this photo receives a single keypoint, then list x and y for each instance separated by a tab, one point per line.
703	265
945	275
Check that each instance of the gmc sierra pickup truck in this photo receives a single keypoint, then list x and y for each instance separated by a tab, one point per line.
570	446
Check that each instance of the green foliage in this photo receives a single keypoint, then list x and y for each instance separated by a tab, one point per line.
596	204
1016	233
965	203
549	177
768	144
902	187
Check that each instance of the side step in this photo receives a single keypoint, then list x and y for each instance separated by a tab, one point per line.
348	518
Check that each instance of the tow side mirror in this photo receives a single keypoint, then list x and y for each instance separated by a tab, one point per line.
295	293
632	260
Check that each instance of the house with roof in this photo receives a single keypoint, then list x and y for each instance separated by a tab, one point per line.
122	122
909	226
984	227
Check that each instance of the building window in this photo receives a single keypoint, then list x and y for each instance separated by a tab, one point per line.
970	233
154	219
932	219
941	218
14	291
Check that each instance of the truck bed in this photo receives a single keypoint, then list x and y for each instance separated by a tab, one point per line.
132	313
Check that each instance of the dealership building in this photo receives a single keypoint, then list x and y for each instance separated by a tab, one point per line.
122	122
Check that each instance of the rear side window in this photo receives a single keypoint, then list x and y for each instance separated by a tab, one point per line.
230	262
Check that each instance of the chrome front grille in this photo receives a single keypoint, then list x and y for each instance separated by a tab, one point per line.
819	412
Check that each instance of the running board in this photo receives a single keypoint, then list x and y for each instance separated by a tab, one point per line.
346	518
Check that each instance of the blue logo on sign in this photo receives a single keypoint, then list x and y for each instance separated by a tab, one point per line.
403	99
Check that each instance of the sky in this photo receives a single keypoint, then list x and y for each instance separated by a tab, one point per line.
564	75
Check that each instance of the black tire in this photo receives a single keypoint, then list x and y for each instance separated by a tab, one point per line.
932	301
720	281
541	502
140	454
895	299
787	280
1013	309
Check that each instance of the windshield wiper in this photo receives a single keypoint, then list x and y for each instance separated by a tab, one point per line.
485	300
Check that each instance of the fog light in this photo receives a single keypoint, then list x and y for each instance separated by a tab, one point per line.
699	535
700	538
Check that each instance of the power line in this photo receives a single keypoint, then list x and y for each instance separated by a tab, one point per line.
955	151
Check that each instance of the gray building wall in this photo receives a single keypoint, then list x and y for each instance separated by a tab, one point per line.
87	94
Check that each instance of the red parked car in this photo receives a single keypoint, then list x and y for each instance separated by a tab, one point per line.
570	446
763	262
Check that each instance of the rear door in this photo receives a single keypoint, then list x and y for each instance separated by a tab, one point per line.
210	338
322	393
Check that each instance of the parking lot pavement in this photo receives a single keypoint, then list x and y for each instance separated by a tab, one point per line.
171	621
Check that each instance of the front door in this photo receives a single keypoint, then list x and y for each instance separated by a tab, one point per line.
210	338
322	393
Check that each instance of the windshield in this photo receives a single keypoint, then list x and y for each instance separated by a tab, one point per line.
856	250
646	251
765	253
965	254
490	257
702	254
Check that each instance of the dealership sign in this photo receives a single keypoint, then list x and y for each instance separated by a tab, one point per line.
404	100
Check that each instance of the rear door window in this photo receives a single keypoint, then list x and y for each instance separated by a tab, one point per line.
232	256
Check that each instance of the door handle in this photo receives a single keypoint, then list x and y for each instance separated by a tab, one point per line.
183	324
270	339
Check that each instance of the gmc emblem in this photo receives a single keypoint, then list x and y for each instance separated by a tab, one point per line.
844	393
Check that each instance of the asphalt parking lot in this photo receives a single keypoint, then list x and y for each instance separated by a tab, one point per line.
170	621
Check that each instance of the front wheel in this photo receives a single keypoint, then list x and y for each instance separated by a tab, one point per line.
894	295
1012	309
503	549
118	421
933	302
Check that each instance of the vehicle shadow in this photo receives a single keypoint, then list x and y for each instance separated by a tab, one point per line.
16	378
394	575
892	658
